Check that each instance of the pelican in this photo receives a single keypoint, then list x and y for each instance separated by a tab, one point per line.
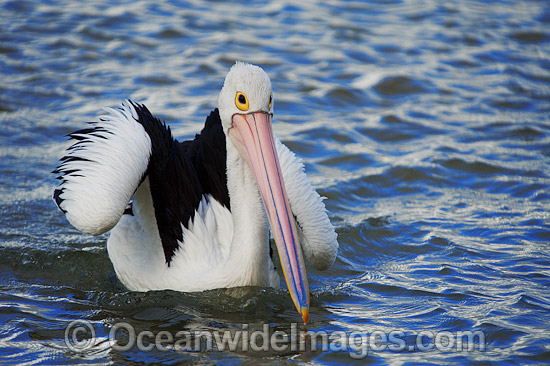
196	215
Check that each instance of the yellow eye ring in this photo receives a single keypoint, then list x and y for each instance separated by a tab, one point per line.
241	101
270	101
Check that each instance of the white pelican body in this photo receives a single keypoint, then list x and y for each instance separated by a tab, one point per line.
201	210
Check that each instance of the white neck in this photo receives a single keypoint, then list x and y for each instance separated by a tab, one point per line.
249	252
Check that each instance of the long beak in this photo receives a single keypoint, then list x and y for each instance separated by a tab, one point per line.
253	137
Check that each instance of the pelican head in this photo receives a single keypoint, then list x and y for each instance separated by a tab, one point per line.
246	111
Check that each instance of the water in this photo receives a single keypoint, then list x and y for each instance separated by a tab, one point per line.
425	123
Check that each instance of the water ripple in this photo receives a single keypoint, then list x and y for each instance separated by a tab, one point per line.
425	124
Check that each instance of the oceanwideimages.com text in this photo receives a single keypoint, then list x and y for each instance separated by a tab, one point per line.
80	335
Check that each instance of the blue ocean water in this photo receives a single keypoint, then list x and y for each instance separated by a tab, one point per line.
426	124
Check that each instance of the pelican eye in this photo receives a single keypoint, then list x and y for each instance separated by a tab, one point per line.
241	101
270	101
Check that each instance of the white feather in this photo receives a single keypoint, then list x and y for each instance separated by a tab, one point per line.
111	162
317	235
202	261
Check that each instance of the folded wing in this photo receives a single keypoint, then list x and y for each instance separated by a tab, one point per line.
317	235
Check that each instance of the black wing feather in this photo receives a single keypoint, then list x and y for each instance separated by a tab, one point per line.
180	174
